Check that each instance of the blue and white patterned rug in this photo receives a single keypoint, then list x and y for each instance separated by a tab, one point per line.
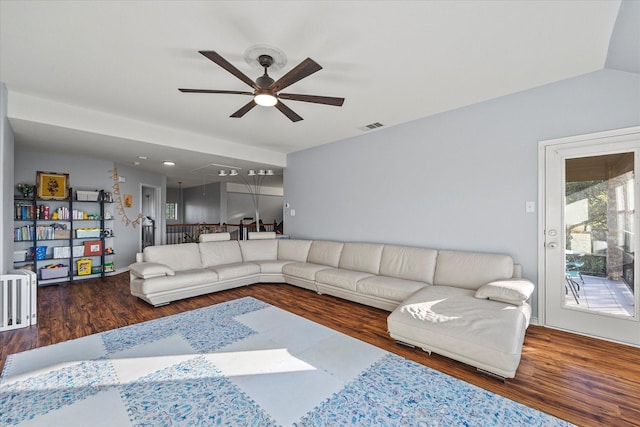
241	363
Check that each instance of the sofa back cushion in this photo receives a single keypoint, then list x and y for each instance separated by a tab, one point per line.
259	250
183	256
324	252
214	237
261	235
220	253
470	270
363	257
405	262
293	250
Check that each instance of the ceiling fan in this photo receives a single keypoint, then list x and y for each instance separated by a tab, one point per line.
266	91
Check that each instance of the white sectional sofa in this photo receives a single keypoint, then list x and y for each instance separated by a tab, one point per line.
468	306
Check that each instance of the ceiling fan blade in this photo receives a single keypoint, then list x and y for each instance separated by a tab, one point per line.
299	72
244	110
232	92
327	100
288	112
215	57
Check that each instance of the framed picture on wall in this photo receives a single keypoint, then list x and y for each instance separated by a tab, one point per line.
52	185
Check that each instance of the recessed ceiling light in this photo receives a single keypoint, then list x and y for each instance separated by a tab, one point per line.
142	157
169	163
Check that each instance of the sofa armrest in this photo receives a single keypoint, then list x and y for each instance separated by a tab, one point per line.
147	270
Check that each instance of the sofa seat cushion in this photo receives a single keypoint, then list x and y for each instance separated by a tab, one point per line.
272	267
182	279
303	270
344	279
388	288
452	322
234	271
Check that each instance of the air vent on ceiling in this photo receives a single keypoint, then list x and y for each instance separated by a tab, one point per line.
371	126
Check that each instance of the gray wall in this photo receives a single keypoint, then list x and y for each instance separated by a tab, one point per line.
202	204
457	180
240	205
128	238
8	188
210	206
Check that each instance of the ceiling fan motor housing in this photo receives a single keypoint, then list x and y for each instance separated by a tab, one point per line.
264	81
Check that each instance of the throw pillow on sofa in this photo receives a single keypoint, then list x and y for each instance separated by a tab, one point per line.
149	270
509	291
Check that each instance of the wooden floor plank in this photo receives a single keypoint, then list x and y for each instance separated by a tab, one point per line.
586	381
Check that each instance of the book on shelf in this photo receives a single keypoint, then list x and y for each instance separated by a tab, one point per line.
29	232
24	211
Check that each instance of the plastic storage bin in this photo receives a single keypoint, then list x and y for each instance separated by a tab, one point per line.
84	267
41	252
19	256
54	273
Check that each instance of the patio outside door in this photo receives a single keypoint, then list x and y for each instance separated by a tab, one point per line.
590	235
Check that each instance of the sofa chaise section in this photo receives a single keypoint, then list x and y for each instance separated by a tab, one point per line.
454	319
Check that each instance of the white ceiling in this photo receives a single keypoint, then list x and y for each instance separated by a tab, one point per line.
100	78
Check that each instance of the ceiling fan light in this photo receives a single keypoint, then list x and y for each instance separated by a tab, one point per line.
222	173
233	172
269	172
251	172
265	99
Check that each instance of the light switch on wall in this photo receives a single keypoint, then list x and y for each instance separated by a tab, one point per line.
292	212
530	207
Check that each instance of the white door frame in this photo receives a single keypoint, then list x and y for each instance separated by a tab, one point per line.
594	138
158	207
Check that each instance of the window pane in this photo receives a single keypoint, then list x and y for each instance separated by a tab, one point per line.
171	211
599	216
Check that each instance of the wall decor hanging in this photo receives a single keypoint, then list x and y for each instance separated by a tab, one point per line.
120	204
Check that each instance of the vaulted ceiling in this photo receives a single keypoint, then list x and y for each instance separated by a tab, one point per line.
101	78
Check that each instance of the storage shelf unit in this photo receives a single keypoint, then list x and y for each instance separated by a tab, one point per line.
35	226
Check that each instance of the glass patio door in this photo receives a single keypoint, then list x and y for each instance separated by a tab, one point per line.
591	198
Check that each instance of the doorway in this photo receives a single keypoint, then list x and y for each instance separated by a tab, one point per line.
150	196
589	234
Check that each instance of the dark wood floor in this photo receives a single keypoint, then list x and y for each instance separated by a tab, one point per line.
582	380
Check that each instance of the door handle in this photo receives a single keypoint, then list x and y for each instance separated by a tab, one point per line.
552	245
